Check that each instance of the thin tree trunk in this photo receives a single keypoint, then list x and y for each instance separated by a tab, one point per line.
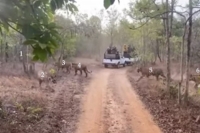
14	57
172	16
158	50
188	51
179	93
6	52
1	50
27	53
182	60
61	52
168	45
169	35
23	61
23	57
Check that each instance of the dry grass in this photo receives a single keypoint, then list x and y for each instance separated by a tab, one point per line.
21	103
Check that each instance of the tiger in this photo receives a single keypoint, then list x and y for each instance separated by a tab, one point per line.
80	67
46	77
66	65
146	72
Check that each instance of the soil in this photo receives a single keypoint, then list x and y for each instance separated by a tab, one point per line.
112	106
108	101
25	108
167	113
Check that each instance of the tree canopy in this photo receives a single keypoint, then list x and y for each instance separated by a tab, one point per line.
34	19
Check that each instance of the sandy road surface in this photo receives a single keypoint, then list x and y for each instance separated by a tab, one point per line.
112	106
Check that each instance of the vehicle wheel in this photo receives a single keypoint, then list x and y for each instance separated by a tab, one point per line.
118	65
105	65
128	63
124	65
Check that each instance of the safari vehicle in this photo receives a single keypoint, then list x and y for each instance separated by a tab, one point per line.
127	52
113	58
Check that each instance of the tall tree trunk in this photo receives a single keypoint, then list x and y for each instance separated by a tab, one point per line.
23	61
168	45
188	51
27	53
164	32
61	53
182	60
6	52
23	56
169	35
14	56
1	49
158	49
172	16
144	46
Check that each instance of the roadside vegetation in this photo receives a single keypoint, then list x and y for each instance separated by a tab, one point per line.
37	33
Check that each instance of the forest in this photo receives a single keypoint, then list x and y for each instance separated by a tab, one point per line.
36	33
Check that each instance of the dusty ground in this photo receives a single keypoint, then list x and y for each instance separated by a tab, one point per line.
170	117
105	102
24	108
112	106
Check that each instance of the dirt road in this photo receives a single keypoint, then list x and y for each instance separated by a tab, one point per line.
112	106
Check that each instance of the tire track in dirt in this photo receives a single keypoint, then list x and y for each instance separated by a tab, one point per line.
93	104
140	119
112	106
115	118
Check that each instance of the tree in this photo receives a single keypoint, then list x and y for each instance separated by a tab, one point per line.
168	44
67	35
112	24
188	50
34	20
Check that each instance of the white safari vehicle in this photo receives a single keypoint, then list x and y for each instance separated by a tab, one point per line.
129	60
127	54
113	60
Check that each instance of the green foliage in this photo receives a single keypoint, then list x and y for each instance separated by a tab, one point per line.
35	21
56	4
67	35
108	3
145	10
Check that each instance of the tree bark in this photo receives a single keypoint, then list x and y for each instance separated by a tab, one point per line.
188	52
158	49
172	16
61	53
23	61
168	45
182	60
23	57
6	52
144	46
1	50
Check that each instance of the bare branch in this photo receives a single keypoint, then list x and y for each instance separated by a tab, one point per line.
13	28
153	17
192	15
140	25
